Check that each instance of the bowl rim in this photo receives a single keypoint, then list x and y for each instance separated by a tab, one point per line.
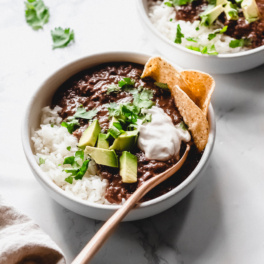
41	175
147	21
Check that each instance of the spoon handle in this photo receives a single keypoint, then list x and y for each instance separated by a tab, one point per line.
108	228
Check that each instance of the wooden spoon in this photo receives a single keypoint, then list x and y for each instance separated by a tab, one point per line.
108	228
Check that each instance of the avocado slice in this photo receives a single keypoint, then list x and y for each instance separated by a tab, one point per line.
128	167
250	10
210	15
102	156
231	11
102	141
90	135
125	141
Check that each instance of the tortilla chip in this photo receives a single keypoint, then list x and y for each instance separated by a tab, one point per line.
193	116
200	88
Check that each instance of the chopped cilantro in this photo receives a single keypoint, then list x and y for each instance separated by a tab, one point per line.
210	49
68	148
82	113
61	37
239	43
37	14
78	170
114	109
126	82
113	88
172	3
179	35
233	11
191	39
41	161
197	28
171	20
168	4
218	31
147	118
143	99
52	125
183	126
162	85
77	174
71	124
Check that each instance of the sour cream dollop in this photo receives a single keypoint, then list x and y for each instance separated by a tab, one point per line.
160	139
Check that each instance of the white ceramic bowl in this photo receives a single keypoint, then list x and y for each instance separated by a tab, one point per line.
43	97
219	64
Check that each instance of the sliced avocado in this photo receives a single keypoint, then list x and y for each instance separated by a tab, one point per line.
250	10
90	135
125	141
102	141
231	11
102	156
210	15
128	167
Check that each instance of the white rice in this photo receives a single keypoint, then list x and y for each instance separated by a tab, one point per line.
50	143
160	15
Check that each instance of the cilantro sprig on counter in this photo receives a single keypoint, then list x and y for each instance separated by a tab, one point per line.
62	37
78	168
72	122
36	13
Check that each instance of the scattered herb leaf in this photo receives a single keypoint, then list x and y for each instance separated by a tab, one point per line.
71	124
162	85
68	148
82	113
126	82
113	88
183	126
37	14
179	35
239	43
218	31
61	37
41	161
143	99
210	49
191	39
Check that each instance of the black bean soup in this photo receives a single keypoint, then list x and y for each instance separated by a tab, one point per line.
236	28
89	88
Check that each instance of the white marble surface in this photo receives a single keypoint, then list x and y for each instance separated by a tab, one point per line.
221	221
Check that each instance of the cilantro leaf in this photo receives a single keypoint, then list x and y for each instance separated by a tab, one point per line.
209	49
61	37
218	31
191	39
183	126
162	85
239	43
36	13
179	35
147	118
126	82
41	161
68	148
143	99
79	154
71	124
114	109
81	113
178	2
168	4
77	171
113	88
114	132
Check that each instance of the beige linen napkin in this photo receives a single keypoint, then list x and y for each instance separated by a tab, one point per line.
23	242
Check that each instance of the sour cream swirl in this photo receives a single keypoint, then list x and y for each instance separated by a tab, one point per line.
160	139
